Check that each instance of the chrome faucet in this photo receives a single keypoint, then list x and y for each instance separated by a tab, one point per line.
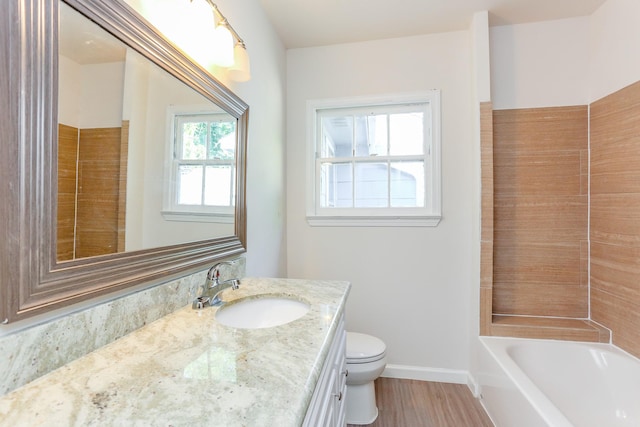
210	291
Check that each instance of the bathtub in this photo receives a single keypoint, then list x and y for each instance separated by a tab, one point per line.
532	383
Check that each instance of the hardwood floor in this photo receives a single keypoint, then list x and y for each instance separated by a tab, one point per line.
411	403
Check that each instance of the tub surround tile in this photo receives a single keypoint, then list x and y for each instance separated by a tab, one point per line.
486	264
615	215
187	369
486	209
538	173
549	328
540	157
615	147
540	211
531	299
485	311
67	172
615	269
541	129
33	352
621	315
559	216
615	218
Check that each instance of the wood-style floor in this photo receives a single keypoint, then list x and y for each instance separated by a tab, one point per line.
411	403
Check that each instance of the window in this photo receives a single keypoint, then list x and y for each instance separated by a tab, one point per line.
202	171
375	161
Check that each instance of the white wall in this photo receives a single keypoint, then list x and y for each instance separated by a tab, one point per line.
68	92
134	109
614	43
411	286
266	174
566	62
479	34
163	92
101	100
90	96
542	64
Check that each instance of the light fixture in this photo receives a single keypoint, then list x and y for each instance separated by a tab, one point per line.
222	45
240	71
230	50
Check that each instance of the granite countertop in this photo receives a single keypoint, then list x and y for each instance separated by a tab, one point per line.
187	369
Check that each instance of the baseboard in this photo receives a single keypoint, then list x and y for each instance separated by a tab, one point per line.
454	376
473	385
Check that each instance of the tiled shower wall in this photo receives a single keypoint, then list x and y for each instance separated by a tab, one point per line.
534	248
540	249
92	185
615	215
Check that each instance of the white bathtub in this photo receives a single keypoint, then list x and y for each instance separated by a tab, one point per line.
531	383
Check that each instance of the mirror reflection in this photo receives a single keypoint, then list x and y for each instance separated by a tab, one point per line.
144	161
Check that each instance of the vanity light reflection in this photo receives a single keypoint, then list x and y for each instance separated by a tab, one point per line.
217	364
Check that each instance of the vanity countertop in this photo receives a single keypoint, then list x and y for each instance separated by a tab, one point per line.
187	369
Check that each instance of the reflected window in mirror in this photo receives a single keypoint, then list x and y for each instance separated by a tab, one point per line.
118	183
201	177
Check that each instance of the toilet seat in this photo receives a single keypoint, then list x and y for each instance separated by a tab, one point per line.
363	348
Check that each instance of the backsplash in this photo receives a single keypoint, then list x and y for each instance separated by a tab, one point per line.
36	351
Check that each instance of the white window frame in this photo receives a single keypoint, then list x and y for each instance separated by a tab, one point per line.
428	216
171	210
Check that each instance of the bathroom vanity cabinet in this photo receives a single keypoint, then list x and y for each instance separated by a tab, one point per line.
327	404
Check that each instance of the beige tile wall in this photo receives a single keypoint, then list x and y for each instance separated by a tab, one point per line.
486	233
98	191
91	211
67	169
615	215
540	251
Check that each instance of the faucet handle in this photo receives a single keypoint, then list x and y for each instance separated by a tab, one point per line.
200	302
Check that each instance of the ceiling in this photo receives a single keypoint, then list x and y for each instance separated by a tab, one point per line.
85	42
307	23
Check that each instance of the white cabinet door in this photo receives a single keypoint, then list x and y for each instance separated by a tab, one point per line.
327	404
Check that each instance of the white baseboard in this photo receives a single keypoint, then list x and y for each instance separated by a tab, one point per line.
474	386
454	376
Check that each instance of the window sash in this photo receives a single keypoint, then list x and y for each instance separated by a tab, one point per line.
323	205
317	207
199	209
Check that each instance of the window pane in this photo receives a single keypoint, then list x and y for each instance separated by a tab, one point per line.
190	185
337	136
372	189
407	134
194	140
223	140
336	187
407	184
217	186
371	135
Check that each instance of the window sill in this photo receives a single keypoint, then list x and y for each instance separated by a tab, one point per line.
369	221
220	218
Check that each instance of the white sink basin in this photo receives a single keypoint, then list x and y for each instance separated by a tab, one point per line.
261	312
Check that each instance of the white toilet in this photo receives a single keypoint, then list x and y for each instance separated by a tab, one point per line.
366	359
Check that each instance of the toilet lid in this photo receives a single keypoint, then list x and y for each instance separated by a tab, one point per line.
363	348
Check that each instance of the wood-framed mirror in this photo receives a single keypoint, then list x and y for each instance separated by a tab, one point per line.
190	130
